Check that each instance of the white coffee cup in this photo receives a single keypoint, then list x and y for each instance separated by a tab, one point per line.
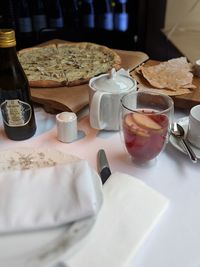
193	133
196	68
105	93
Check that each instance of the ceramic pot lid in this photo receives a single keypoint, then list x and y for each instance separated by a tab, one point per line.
116	81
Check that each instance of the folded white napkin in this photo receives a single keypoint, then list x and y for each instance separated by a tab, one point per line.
129	212
46	197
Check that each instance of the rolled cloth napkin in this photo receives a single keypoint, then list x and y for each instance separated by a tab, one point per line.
130	211
46	197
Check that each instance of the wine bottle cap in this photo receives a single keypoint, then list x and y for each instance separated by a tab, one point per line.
7	38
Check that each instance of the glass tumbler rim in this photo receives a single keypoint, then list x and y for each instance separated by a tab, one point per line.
170	100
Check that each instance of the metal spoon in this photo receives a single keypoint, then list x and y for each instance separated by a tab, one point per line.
178	131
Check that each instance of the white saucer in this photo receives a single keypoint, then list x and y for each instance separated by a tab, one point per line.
176	142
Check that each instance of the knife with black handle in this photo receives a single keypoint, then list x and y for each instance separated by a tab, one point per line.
103	166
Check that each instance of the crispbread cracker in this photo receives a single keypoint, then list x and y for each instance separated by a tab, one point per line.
180	91
172	77
172	74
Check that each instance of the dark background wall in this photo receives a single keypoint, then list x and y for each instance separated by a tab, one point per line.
146	19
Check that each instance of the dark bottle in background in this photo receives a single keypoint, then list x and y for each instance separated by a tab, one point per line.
88	16
15	100
55	14
24	17
121	16
104	14
71	11
7	14
39	18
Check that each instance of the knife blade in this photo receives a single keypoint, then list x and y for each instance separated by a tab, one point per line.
103	166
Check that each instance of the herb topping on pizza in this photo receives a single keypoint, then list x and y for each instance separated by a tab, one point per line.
66	64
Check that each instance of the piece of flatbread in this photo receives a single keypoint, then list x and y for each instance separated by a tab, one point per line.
172	74
172	77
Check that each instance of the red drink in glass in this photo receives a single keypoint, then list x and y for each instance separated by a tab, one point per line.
145	133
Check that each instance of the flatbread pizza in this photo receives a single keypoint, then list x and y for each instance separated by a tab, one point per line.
66	64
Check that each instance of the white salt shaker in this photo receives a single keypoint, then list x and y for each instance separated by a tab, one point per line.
66	127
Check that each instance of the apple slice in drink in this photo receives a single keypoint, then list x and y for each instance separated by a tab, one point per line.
133	127
145	121
129	120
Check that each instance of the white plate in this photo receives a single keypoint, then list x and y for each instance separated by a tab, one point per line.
39	248
176	142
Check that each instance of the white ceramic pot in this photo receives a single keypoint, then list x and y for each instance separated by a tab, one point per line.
105	93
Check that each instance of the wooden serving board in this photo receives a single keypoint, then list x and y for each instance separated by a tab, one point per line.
190	100
75	98
185	101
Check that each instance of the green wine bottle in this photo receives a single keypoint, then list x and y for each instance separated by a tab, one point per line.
15	100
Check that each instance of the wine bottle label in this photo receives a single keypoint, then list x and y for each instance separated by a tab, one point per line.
16	113
39	22
56	23
88	21
107	21
25	24
121	22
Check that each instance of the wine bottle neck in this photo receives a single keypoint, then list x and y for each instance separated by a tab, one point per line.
8	53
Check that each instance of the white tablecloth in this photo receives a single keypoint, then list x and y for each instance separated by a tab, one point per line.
176	241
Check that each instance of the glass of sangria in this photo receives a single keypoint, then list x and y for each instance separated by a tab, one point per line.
145	119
